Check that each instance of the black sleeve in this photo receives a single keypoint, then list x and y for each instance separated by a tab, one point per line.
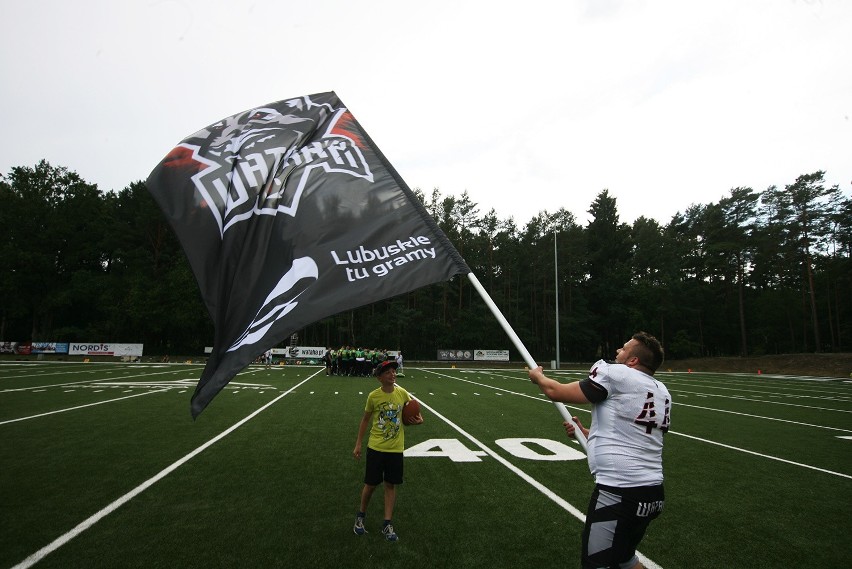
594	392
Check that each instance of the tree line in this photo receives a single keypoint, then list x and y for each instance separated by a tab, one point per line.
759	272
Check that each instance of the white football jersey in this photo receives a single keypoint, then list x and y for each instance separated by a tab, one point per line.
626	436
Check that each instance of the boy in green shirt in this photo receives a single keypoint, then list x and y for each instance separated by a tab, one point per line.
383	414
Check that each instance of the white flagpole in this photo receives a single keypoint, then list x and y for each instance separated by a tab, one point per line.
531	363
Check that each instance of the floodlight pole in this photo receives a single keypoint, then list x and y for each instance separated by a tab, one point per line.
556	288
531	363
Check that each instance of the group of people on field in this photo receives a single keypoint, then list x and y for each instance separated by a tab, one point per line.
356	362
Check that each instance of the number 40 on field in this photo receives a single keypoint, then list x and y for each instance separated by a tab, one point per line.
530	449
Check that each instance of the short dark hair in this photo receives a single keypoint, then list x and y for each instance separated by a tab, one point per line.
651	353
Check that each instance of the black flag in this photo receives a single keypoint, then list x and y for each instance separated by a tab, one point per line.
288	213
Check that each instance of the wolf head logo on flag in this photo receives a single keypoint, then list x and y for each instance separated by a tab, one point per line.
288	213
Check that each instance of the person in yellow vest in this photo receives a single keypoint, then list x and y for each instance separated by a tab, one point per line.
385	446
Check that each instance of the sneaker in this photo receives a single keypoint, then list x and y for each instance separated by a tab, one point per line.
389	533
359	526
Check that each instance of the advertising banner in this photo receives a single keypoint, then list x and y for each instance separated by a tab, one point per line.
455	355
50	348
309	352
19	348
276	352
81	349
491	355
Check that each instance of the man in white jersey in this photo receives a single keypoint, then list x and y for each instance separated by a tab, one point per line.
630	415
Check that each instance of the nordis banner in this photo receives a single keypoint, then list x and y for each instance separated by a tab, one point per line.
105	349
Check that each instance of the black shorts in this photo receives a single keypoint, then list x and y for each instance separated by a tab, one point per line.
616	522
383	466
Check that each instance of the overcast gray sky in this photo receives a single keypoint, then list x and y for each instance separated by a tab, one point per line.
527	106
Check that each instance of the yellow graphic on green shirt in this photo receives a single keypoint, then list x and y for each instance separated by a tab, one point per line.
387	433
388	420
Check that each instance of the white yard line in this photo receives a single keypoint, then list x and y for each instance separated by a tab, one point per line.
679	404
86	381
740	398
758	386
538	397
770	457
80	407
168	385
92	520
